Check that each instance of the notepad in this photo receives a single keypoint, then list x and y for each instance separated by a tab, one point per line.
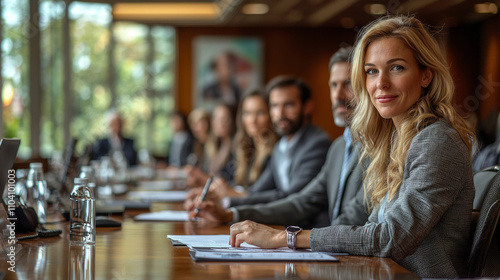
258	254
165	196
166	215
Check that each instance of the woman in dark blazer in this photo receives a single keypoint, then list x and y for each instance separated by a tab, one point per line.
420	175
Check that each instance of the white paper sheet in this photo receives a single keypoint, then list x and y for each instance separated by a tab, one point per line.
166	196
207	241
163	185
166	215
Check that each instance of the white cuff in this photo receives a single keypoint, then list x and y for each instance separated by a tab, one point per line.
226	202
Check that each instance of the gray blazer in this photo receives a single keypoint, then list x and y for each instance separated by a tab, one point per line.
427	223
309	156
318	197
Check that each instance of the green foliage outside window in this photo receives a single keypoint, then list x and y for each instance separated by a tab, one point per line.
144	70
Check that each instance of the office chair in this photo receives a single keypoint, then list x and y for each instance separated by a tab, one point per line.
485	251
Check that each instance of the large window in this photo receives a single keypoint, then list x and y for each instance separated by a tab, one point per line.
16	32
136	81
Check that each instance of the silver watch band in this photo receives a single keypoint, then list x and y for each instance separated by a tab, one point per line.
291	236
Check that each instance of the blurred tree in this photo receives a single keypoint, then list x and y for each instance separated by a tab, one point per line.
144	61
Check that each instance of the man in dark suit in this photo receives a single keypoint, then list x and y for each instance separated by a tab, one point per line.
181	145
336	193
115	142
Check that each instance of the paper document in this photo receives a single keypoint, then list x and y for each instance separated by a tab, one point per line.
207	241
258	254
167	215
166	196
178	174
163	185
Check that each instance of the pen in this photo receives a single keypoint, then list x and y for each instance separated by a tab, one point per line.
204	193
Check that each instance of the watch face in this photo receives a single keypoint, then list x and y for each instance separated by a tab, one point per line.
293	229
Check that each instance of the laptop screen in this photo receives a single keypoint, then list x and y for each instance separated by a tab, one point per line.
8	153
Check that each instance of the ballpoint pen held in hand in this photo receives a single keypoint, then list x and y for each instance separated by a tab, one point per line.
204	193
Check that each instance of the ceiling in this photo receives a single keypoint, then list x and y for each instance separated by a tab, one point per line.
337	13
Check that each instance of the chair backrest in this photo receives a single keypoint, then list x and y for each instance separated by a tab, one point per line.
485	252
482	180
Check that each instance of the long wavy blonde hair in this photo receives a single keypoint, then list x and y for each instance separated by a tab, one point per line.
383	144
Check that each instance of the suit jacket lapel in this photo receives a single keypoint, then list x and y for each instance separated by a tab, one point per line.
352	164
293	150
334	178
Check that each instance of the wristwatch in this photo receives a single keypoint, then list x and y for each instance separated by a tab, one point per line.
291	236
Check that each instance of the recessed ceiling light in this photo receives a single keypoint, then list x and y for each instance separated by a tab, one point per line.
376	9
255	9
165	11
486	8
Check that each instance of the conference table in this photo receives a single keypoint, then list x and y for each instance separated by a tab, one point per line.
141	250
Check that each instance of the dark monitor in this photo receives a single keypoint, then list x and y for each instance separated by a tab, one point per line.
8	154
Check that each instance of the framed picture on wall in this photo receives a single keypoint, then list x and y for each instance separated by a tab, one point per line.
224	68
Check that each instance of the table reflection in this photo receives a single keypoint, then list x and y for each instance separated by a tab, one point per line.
141	250
81	262
355	269
35	261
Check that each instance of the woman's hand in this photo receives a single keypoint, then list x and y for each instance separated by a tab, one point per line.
256	234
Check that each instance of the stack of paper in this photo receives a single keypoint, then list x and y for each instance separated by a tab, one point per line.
258	254
216	248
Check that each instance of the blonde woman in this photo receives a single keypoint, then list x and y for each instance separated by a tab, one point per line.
420	175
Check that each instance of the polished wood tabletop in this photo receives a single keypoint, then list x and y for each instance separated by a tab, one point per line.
141	250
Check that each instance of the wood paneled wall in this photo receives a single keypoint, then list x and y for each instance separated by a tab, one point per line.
473	53
490	68
302	52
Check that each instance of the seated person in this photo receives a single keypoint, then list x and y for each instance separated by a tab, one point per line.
218	156
420	175
253	144
199	124
115	141
181	145
300	152
488	156
335	196
254	140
